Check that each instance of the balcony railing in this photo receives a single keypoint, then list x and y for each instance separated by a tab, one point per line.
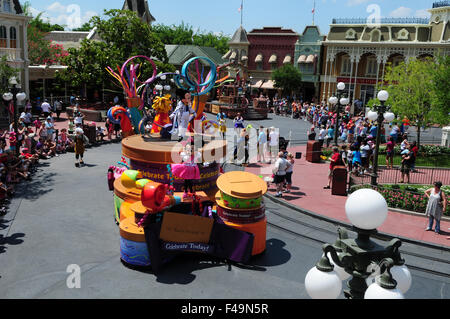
11	54
440	4
382	21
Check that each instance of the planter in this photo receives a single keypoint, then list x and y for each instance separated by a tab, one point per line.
133	102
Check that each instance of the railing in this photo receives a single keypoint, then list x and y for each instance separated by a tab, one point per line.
382	21
421	176
441	4
11	54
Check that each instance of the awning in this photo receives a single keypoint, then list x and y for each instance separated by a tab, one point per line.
227	55
302	59
261	84
233	55
310	59
259	58
273	58
287	59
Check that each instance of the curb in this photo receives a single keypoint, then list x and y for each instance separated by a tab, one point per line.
380	235
407	212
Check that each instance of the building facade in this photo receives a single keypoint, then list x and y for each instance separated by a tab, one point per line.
13	39
262	51
357	53
308	58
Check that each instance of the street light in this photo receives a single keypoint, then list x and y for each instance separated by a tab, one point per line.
16	97
376	272
380	114
342	101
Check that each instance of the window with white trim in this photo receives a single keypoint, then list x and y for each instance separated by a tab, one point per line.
375	36
7	6
346	65
3	37
12	37
372	66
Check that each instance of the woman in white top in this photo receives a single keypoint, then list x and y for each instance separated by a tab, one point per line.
437	203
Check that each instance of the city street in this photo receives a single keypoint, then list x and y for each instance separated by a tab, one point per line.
65	216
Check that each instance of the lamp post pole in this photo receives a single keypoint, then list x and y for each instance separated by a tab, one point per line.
380	121
338	112
381	116
361	260
14	91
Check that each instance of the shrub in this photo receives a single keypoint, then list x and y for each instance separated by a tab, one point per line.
414	200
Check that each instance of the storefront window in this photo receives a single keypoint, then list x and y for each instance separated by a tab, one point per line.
346	66
13	37
3	37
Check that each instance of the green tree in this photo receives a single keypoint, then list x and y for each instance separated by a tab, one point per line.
43	26
288	78
184	34
85	27
442	91
411	92
6	72
123	35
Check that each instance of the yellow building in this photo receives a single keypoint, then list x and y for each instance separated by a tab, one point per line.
13	39
357	51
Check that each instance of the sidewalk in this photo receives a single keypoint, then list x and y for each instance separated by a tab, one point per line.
308	193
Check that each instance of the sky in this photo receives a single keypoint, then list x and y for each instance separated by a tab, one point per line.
223	16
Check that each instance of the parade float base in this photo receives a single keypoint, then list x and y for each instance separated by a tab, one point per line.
152	149
231	110
150	156
179	232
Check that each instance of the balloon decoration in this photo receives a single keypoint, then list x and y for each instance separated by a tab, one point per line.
192	78
171	186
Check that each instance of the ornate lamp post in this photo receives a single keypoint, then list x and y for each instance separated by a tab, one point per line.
377	272
16	97
380	115
340	101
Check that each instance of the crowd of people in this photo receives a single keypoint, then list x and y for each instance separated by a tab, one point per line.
36	139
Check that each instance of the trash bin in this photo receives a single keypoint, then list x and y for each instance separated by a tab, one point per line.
313	151
90	132
339	181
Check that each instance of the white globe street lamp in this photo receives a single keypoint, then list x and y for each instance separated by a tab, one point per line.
403	277
21	96
375	291
333	100
8	96
383	96
363	215
341	86
322	282
389	116
372	116
344	101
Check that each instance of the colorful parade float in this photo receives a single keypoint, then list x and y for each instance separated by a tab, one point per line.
233	97
169	194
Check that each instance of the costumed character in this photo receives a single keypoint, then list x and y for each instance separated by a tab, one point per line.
239	122
80	141
162	106
181	116
188	170
119	115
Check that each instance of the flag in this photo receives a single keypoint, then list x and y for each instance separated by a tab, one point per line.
313	10
240	8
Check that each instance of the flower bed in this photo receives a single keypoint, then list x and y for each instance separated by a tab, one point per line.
407	198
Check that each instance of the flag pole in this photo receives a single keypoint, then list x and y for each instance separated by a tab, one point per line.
242	11
314	12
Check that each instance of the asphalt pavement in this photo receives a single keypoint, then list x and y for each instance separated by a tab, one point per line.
64	217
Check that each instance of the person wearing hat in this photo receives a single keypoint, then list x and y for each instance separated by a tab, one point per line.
80	142
50	128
